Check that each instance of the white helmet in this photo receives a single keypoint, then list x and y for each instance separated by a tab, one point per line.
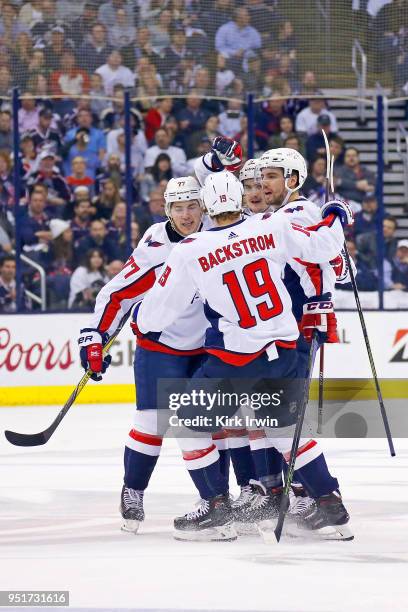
248	170
287	159
180	190
222	192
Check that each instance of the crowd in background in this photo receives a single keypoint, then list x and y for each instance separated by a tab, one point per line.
72	159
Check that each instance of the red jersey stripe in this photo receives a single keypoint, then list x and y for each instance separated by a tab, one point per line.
198	454
145	438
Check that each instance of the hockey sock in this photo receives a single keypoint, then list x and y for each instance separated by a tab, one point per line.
241	456
221	442
202	460
140	458
312	471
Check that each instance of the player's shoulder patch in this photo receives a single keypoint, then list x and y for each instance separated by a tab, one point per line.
294	209
152	243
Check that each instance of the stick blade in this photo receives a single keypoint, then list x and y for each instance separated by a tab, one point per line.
19	439
282	513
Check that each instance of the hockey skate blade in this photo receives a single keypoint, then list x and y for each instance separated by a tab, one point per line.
223	533
266	530
339	533
130	526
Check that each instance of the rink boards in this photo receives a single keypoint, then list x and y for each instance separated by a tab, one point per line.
39	361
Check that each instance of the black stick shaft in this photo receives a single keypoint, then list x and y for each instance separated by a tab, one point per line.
370	354
296	438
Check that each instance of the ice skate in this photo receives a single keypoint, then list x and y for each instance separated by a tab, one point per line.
241	508
131	508
325	517
211	521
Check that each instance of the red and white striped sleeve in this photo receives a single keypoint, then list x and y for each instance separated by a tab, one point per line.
130	285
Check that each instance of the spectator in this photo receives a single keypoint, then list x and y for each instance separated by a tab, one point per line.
286	127
114	72
81	26
107	200
35	223
354	181
48	174
86	136
366	219
163	145
366	278
7	284
98	105
81	221
108	12
31	13
293	141
253	71
316	177
95	49
136	155
336	144
44	135
214	19
6	180
6	89
157	116
230	119
10	27
43	29
286	41
82	148
315	143
87	280
210	131
55	49
400	266
367	246
224	76
143	46
114	268
28	114
192	117
36	66
306	121
175	53
268	119
60	264
160	32
69	80
236	37
117	230
22	54
28	154
80	175
123	34
6	135
112	171
161	170
97	239
148	87
156	207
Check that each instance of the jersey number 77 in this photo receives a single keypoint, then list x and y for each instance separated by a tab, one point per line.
259	283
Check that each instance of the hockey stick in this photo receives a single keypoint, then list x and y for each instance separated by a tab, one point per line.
369	352
37	439
329	189
362	322
284	505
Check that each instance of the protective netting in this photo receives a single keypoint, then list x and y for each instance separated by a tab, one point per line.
217	48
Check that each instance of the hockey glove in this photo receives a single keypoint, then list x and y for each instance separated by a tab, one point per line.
90	344
318	314
226	154
341	209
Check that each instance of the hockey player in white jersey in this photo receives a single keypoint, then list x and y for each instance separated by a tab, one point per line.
236	268
174	352
309	285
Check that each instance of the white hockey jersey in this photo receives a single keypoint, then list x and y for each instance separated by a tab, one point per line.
303	279
237	271
184	336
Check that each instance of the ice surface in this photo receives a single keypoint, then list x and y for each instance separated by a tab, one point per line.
59	529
